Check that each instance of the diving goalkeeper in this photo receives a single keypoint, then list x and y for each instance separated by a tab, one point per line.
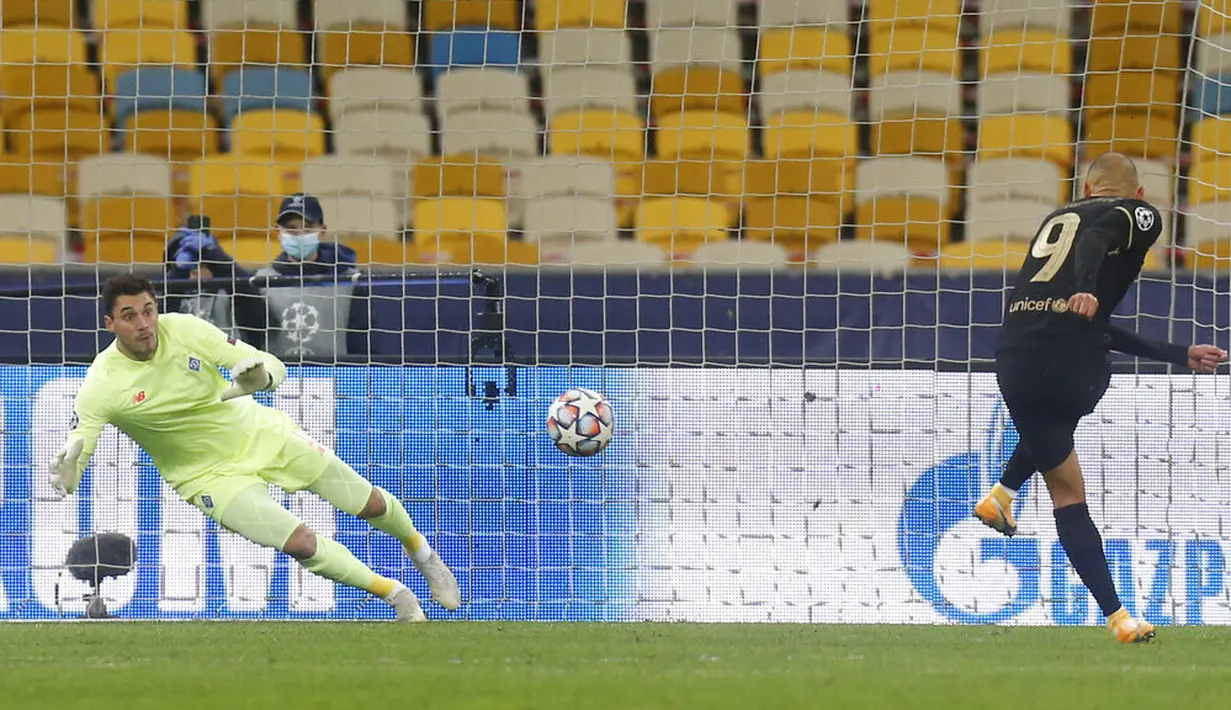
158	382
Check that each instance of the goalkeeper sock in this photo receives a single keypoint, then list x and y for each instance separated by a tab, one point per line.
1084	545
333	561
1017	471
396	522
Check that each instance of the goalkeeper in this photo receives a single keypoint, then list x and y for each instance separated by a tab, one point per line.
158	382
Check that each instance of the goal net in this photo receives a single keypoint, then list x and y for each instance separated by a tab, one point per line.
776	235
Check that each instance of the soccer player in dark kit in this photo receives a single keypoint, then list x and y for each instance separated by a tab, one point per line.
1052	364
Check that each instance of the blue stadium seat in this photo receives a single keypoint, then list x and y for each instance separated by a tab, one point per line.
158	88
254	88
1210	95
474	46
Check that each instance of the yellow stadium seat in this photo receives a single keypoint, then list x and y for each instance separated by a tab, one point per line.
22	176
912	48
1109	54
38	13
582	14
27	249
266	45
680	224
704	133
459	229
1210	256
1211	138
1137	134
441	15
458	176
29	45
1118	18
893	15
1027	136
804	48
1009	51
922	135
915	220
177	135
364	45
809	134
55	88
1137	89
125	49
57	133
796	223
816	178
126	229
599	132
379	251
691	175
1210	181
1213	17
169	14
278	133
239	195
984	256
705	88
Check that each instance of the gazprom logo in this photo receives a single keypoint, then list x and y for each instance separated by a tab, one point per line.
940	500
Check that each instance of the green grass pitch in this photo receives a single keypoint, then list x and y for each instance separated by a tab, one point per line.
297	666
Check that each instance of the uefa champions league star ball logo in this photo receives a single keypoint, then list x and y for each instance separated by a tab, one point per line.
301	323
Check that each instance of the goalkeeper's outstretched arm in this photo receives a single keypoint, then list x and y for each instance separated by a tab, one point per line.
252	370
90	415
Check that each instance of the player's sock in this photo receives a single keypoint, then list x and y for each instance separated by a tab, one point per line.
396	522
1017	471
333	561
1084	545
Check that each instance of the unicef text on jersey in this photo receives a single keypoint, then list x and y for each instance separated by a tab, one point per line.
791	496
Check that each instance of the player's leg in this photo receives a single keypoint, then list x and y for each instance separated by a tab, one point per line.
342	486
1018	378
248	511
995	510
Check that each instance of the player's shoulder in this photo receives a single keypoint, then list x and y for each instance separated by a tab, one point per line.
1141	214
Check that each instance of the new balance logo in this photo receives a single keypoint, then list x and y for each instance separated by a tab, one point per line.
139	397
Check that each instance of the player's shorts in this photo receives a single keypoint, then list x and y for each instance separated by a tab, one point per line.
1047	392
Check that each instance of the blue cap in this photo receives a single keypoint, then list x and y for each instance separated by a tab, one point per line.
301	205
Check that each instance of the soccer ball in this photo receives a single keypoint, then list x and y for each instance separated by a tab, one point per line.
580	422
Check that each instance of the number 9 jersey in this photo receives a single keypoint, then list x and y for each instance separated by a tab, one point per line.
1096	245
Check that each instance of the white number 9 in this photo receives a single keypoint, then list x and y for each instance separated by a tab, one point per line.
1056	249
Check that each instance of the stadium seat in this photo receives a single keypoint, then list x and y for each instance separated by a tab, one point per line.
257	88
1014	50
804	49
805	91
157	89
915	113
495	133
797	223
1051	15
612	135
701	88
369	224
396	135
680	224
690	13
374	88
685	175
556	176
882	258
1210	181
570	89
178	135
38	13
1005	219
903	200
722	136
1134	17
1213	17
124	50
912	48
362	32
893	15
39	45
558	223
739	255
46	87
54	133
809	134
481	88
618	254
163	14
126	208
458	176
1213	54
1211	138
19	175
358	175
577	48
244	32
792	13
1209	95
554	14
447	14
818	178
687	46
1209	236
1041	181
989	255
1003	94
240	195
1110	54
1137	134
474	48
460	229
1158	92
33	231
1027	136
280	134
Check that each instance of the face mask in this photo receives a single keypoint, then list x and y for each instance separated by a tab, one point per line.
300	246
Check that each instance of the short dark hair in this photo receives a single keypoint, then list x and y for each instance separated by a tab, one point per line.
124	285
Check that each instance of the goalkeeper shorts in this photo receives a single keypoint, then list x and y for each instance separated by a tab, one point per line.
299	465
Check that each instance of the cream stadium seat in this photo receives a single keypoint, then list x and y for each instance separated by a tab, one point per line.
690	13
805	91
1050	15
369	224
126	209
881	258
481	89
556	224
358	175
902	199
739	255
576	48
1213	54
33	231
372	89
396	135
792	13
488	132
557	176
1003	94
1005	219
616	254
1041	181
569	89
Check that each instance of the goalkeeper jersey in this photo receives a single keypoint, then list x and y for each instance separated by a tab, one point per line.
170	405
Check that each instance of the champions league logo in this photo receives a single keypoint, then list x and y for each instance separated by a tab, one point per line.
300	323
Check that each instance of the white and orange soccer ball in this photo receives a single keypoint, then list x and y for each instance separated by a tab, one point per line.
581	422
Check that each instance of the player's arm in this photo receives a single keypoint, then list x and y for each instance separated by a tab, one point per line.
90	415
1130	343
252	370
1112	232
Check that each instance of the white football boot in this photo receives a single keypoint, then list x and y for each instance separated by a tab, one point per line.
440	579
405	604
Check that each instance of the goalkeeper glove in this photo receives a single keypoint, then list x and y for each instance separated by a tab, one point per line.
63	466
247	376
